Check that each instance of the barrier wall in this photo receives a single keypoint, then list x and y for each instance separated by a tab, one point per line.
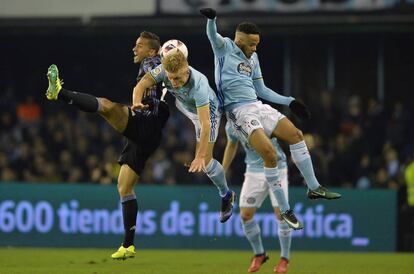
67	215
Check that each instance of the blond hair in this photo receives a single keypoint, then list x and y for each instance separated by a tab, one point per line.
173	62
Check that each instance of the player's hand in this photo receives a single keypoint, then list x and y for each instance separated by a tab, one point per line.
140	106
299	109
197	165
209	13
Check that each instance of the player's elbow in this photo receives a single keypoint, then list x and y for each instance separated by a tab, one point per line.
269	156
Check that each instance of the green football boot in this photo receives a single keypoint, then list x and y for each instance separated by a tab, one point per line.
322	193
55	84
124	253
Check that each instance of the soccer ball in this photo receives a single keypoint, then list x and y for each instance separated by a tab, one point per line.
172	46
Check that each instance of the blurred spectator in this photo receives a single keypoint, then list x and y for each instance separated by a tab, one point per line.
391	161
29	111
352	145
364	172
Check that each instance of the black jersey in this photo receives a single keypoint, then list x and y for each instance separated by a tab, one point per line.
147	65
144	128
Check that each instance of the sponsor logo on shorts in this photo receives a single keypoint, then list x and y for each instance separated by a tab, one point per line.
251	200
254	123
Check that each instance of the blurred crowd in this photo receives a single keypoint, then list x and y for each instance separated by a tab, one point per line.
354	143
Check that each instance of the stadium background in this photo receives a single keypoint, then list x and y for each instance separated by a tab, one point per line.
351	62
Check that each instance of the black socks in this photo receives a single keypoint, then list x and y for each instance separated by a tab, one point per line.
83	101
129	214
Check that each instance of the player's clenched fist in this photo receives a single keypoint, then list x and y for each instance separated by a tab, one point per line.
300	109
209	13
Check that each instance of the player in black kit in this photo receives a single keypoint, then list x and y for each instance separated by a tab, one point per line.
142	129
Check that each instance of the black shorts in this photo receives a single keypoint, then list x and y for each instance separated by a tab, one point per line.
143	136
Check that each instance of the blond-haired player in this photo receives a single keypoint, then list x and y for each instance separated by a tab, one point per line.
196	100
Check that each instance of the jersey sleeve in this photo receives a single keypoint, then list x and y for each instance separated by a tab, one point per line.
219	44
201	93
257	72
265	92
158	74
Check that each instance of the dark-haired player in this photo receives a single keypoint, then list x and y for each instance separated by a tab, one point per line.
142	129
239	82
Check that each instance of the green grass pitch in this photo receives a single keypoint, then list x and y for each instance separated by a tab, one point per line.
97	261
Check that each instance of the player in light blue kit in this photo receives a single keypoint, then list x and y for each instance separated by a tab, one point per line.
254	191
196	100
239	82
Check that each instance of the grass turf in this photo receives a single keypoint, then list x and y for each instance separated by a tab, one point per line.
97	261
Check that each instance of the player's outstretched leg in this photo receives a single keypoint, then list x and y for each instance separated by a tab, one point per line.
82	101
115	114
302	159
286	131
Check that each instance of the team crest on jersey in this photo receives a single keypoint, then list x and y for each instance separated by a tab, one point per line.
156	71
245	69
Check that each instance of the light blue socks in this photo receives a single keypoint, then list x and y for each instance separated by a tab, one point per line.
302	160
252	232
215	172
285	239
272	177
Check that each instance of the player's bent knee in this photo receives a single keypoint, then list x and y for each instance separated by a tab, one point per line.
299	134
269	156
106	105
246	216
296	136
278	216
124	188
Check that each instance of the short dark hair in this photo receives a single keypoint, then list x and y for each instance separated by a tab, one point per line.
154	40
248	28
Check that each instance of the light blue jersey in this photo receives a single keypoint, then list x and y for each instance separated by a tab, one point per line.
254	163
194	94
238	79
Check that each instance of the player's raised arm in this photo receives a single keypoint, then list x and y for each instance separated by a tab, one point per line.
231	148
270	95
145	83
198	164
216	40
297	107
